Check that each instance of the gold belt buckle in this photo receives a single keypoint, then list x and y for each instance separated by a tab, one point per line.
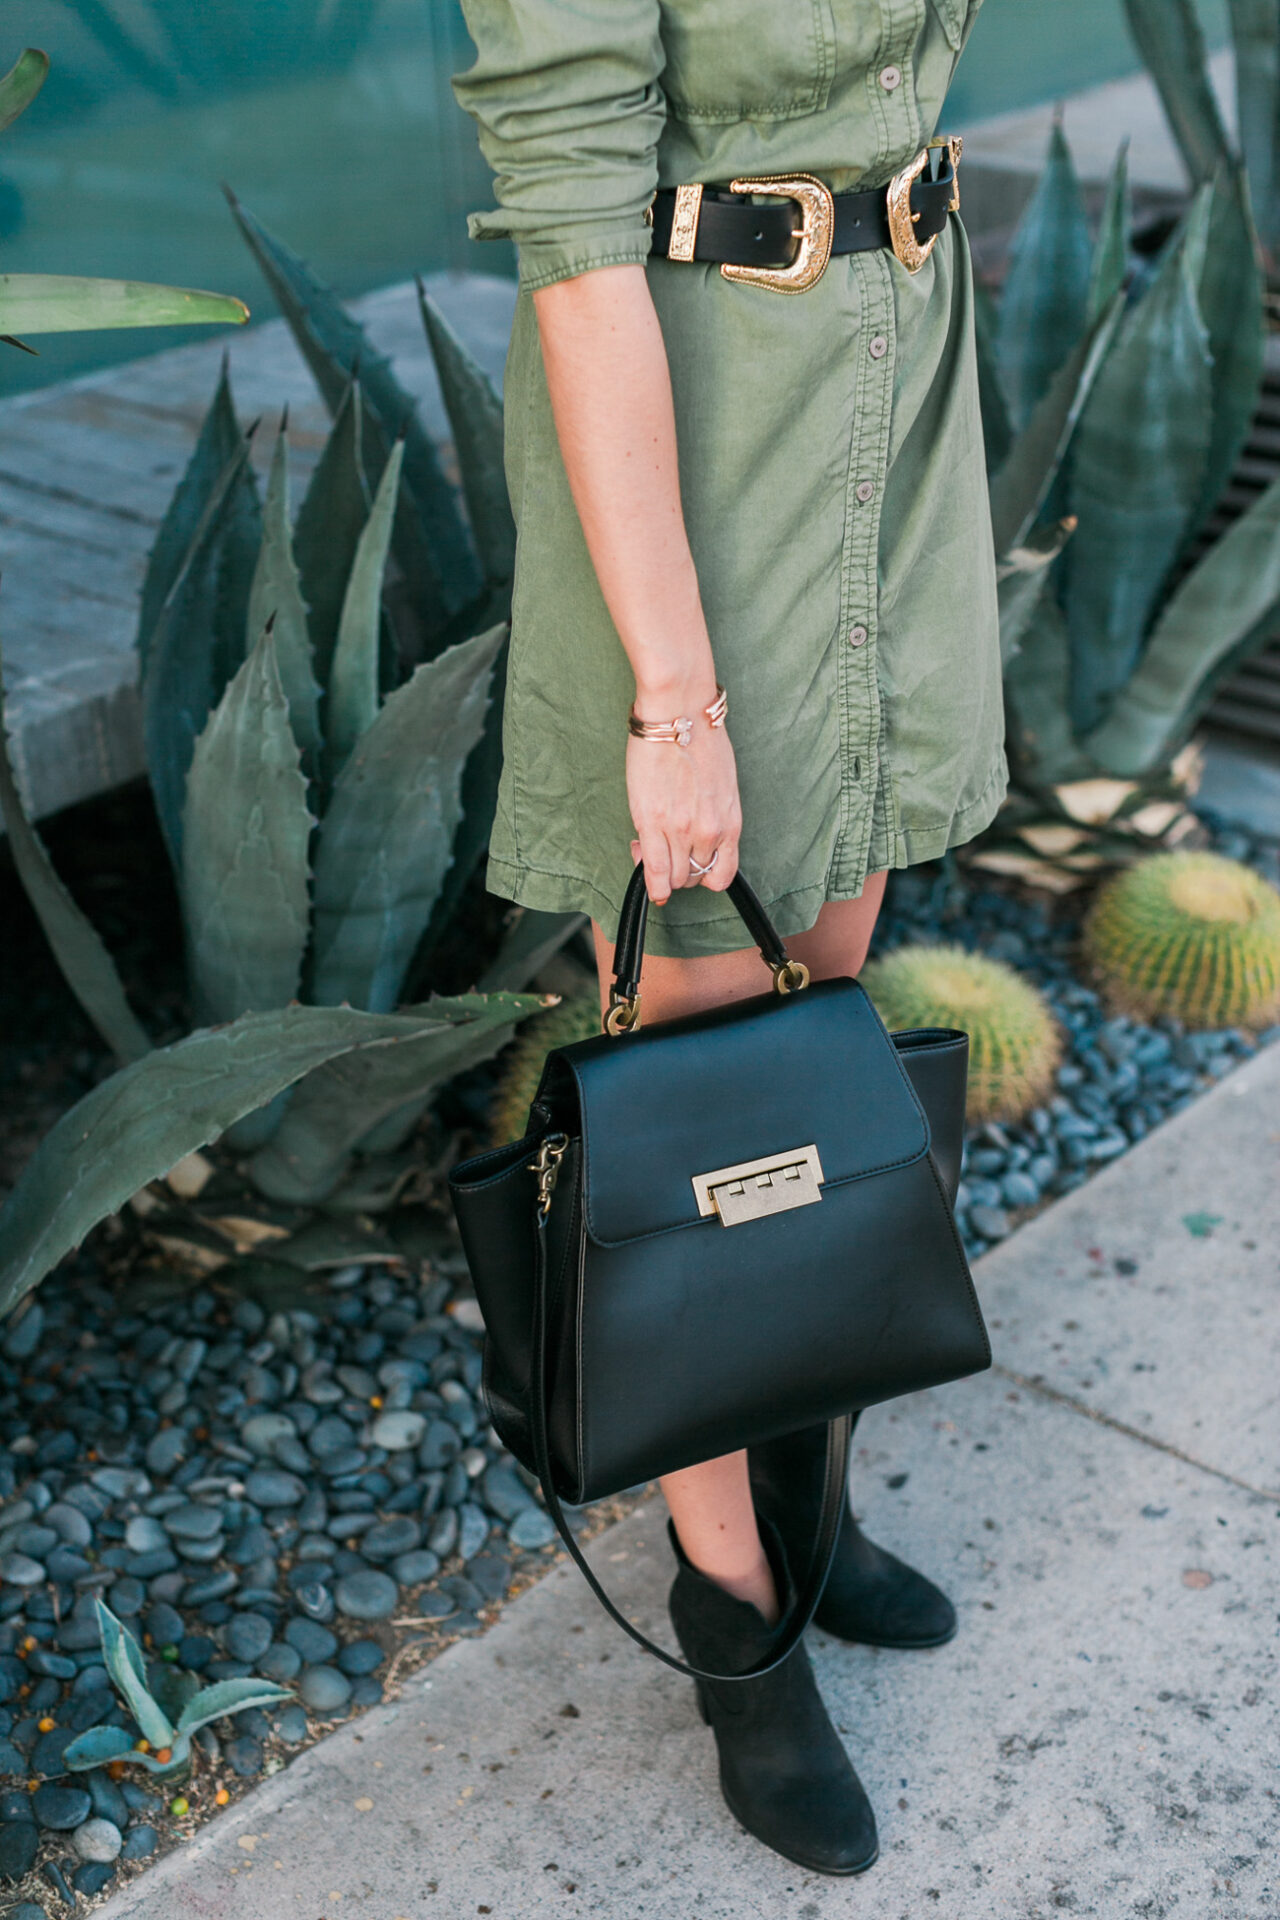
902	219
817	226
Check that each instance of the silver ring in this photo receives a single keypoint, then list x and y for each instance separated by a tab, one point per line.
700	871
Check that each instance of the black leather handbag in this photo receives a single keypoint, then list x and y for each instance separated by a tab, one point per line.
717	1230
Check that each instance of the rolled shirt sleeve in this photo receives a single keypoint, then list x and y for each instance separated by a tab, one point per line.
566	98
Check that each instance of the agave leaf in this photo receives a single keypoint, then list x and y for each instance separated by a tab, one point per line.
179	1750
275	599
332	516
21	84
1111	248
1138	466
997	428
96	1747
1023	580
244	850
387	837
475	417
218	442
122	1657
1234	592
68	303
82	958
1230	290
189	650
1256	34
353	678
1169	37
1020	488
432	546
135	1126
229	1696
1044	305
531	942
1036	683
335	1109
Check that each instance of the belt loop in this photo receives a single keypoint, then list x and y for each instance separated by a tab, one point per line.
684	223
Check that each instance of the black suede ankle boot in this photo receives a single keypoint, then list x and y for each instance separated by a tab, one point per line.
870	1596
783	1772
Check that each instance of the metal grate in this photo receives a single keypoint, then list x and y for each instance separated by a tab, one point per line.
1248	701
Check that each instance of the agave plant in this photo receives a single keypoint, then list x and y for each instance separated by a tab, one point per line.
1170	39
324	783
182	48
68	303
164	1746
1116	399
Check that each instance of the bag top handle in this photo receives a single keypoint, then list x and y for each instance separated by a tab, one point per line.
623	1014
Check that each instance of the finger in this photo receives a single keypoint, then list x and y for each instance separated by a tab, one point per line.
679	850
725	867
656	855
705	855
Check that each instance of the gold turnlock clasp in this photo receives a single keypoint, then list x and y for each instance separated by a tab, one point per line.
755	1188
815	232
622	1014
902	218
790	976
547	1167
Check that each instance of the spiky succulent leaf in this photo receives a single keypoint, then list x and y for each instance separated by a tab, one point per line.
135	1126
336	1109
479	803
997	428
331	519
21	84
275	599
1023	580
1037	686
1111	248
84	961
122	1657
475	418
1191	936
432	545
387	837
531	942
1014	1044
1233	593
1138	465
190	648
229	1696
1170	39
68	303
246	827
218	442
1021	487
1044	304
1230	292
352	706
1255	31
96	1747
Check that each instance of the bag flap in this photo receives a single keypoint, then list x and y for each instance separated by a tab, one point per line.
763	1077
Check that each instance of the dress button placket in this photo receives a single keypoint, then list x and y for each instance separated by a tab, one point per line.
859	696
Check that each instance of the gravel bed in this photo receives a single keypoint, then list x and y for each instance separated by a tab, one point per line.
314	1494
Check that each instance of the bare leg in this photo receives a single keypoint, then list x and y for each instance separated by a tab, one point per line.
710	1504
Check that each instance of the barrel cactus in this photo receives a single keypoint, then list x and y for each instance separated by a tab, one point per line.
1190	935
574	1019
1014	1044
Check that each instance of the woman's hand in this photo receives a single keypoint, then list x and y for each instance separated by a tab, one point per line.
684	805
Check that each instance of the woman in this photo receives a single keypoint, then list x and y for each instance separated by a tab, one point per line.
772	486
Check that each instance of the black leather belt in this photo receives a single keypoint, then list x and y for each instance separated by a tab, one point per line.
763	246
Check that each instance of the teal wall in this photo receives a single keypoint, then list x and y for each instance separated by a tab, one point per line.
334	121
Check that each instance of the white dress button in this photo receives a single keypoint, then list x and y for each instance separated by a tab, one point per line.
864	490
890	77
878	347
856	636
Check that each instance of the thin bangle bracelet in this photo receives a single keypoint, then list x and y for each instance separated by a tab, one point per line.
679	731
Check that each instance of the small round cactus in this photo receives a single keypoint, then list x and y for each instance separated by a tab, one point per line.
574	1019
1190	935
1014	1045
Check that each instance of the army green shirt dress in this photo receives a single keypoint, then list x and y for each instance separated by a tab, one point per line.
830	449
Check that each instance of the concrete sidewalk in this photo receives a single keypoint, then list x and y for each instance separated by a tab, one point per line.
1101	1739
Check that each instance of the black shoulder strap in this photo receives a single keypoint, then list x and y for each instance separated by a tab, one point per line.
833	1494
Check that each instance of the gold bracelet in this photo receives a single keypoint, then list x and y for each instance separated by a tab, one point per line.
679	731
